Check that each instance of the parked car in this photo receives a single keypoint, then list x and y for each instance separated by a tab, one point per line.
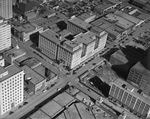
20	106
58	89
24	103
11	112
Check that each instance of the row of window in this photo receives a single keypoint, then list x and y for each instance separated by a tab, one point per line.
128	99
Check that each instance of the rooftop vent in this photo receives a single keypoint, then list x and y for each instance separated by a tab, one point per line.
124	85
139	91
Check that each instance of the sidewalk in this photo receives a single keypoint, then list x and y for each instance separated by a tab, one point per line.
35	100
119	109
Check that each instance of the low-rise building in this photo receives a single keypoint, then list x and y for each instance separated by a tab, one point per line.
11	55
46	23
25	31
130	18
76	25
25	8
49	75
116	26
121	23
108	6
136	13
33	81
31	62
130	98
87	17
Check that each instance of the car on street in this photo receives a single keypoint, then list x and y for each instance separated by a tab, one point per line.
11	112
24	103
44	91
20	106
58	89
89	90
91	83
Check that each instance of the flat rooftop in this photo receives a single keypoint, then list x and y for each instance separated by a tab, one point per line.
78	22
39	115
86	38
64	32
12	70
96	30
45	23
85	16
51	108
141	68
104	6
121	22
50	35
31	62
120	82
119	55
63	99
20	59
143	16
26	28
111	30
40	69
99	22
15	52
70	44
35	77
127	17
115	1
102	23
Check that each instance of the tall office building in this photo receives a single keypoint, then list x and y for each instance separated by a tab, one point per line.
139	74
11	88
6	8
72	50
130	98
5	34
48	41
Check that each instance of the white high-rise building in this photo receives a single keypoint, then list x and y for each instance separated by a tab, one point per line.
6	9
5	34
11	88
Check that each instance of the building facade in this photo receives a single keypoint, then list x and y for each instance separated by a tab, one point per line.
2	62
72	52
76	25
6	9
11	55
11	88
140	73
139	77
24	32
33	81
82	47
127	97
48	43
69	53
5	31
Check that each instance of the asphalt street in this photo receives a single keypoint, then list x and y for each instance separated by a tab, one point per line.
65	79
